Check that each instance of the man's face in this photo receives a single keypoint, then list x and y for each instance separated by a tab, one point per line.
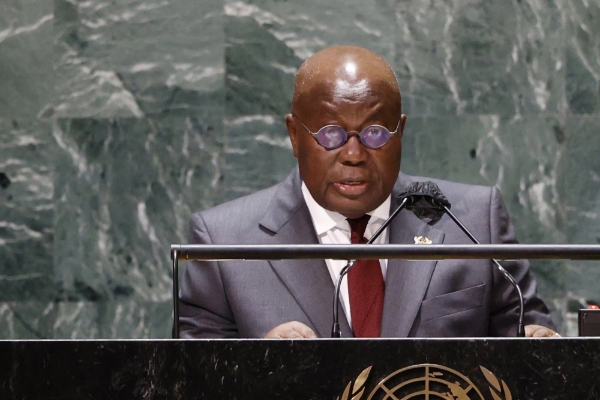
353	179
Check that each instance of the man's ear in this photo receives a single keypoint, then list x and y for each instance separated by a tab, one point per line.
402	123
293	132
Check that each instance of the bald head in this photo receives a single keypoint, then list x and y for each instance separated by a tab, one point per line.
347	71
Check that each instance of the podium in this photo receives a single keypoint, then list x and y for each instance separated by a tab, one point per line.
345	369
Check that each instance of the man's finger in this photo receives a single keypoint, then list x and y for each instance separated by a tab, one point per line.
291	330
307	333
539	331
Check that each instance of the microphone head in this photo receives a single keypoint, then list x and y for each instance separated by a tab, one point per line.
425	199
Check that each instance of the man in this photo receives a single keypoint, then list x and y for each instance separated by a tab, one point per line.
346	130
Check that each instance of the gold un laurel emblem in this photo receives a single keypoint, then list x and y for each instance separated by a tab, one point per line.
426	381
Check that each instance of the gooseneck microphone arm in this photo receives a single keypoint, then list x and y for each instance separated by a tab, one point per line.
507	275
335	329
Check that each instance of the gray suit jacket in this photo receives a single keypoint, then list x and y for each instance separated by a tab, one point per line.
450	298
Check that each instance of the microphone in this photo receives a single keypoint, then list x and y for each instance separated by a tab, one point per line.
433	204
413	194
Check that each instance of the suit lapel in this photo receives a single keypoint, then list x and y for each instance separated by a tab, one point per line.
406	281
308	281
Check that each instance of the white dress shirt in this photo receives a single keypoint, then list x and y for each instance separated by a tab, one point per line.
333	228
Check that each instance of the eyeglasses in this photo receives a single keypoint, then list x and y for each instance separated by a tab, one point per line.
334	136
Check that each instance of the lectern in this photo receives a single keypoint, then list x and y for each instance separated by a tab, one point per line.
359	369
344	369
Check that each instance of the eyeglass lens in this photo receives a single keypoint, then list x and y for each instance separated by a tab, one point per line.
333	136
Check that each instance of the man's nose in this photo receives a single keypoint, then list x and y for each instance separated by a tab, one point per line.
353	152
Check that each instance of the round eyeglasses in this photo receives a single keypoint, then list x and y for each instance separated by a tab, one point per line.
334	136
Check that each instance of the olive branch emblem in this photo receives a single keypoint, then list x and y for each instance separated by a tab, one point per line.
495	384
358	389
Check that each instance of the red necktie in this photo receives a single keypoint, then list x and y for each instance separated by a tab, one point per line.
365	287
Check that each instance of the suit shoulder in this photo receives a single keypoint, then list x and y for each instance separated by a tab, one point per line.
246	208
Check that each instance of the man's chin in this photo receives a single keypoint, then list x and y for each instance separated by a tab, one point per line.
352	207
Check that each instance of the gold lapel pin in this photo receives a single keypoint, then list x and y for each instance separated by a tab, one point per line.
422	240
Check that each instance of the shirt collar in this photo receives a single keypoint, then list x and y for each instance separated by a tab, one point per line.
325	220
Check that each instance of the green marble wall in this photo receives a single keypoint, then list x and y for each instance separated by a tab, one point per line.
119	119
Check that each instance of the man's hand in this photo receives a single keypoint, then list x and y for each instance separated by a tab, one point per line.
539	331
291	330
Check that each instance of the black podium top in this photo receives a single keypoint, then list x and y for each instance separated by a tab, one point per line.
301	369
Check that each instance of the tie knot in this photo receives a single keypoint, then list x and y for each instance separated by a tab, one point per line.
357	228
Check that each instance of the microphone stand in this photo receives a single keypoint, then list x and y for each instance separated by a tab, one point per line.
505	273
335	328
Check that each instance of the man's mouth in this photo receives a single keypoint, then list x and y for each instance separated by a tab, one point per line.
351	187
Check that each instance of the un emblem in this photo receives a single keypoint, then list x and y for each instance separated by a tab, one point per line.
426	381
